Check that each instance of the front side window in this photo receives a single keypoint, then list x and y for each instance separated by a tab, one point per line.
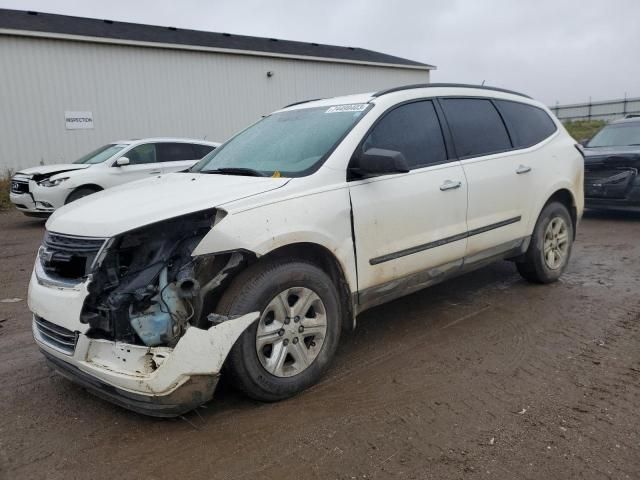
528	124
617	135
476	127
142	154
101	154
413	130
292	143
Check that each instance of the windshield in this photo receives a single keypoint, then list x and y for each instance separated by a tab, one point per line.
617	135
293	143
101	154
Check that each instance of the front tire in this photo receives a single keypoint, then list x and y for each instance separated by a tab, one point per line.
550	248
296	337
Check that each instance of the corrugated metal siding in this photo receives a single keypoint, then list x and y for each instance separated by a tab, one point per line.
136	92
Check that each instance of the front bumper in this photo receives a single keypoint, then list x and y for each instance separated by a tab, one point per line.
39	201
157	381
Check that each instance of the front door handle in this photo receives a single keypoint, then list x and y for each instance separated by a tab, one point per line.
523	169
449	185
155	172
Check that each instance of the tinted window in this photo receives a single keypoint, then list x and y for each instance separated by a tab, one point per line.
412	129
175	152
528	125
476	126
201	150
142	154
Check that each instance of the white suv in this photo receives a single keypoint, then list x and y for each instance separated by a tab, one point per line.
38	191
266	249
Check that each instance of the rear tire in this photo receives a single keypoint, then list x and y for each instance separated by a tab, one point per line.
296	337
549	251
79	193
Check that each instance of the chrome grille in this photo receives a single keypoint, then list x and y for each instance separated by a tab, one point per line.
55	336
68	257
19	186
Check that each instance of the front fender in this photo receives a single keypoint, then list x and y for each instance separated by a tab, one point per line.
323	218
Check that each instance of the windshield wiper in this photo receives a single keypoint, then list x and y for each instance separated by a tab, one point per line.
247	172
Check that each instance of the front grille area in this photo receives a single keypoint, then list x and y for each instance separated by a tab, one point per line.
68	257
19	186
55	336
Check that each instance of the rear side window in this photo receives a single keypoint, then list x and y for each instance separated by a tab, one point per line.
527	124
412	129
476	126
174	152
201	150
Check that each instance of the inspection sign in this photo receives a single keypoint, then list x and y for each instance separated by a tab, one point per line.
78	120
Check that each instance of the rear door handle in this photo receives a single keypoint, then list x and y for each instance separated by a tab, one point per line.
449	185
523	169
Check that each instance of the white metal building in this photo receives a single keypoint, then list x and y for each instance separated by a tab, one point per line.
70	84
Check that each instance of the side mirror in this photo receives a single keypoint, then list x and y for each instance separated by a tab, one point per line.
122	161
376	162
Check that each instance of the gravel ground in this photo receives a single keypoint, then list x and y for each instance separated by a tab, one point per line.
484	376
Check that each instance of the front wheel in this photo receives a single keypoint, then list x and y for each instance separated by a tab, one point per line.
550	248
293	342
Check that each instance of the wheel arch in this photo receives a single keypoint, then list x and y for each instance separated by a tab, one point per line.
91	186
323	258
565	197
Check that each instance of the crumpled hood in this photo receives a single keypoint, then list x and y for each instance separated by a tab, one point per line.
51	169
628	156
136	204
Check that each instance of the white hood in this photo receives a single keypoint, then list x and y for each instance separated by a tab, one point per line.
46	169
135	204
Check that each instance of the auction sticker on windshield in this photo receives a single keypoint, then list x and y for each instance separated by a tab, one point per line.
354	107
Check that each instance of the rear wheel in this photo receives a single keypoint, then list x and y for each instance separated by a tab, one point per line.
550	249
292	344
80	192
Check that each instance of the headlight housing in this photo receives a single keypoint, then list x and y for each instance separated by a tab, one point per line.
52	183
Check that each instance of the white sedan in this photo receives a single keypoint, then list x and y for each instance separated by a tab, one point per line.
38	191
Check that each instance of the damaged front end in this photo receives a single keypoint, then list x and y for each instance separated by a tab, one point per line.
145	336
612	180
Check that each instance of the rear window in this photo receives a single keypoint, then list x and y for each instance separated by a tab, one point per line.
476	127
527	124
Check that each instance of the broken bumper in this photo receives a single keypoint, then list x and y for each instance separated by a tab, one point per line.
157	381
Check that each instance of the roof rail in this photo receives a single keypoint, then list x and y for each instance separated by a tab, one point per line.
303	101
456	85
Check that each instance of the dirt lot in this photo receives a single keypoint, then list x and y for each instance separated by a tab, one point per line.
484	376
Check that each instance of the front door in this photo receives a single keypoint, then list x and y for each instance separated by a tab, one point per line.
409	228
142	164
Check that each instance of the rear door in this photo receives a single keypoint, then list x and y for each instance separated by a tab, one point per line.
177	156
409	223
499	186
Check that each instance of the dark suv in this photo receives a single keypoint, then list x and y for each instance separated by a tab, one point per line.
612	161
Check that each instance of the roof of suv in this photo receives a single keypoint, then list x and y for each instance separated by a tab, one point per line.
167	139
367	97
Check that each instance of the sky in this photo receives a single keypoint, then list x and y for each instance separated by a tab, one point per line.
562	51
